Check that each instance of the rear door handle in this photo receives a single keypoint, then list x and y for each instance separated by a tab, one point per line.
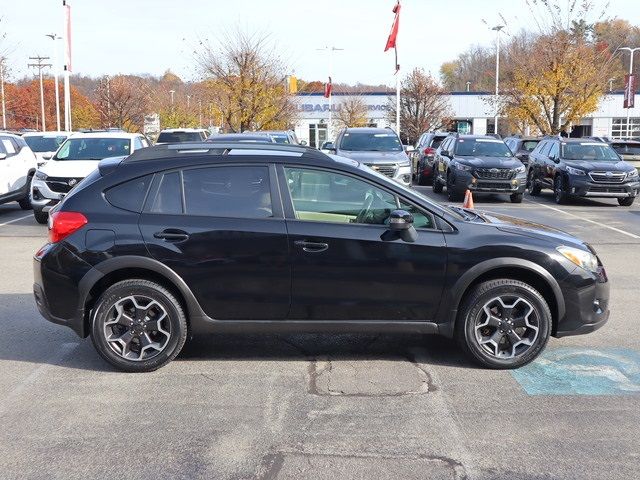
172	235
311	247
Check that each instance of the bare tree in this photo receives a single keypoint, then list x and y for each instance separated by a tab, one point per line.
351	112
423	105
122	101
246	80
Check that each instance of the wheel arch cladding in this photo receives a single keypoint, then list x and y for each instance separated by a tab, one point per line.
516	269
126	268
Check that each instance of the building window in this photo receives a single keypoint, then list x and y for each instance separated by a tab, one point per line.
619	128
317	134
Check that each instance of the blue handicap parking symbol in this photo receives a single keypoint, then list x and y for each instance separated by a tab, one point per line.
582	371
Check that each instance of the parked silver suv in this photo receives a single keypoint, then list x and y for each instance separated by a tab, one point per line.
378	148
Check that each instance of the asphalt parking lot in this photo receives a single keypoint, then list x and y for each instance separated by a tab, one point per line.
326	406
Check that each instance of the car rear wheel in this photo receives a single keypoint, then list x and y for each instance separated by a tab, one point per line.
138	326
559	194
40	216
422	180
436	185
626	202
503	323
532	185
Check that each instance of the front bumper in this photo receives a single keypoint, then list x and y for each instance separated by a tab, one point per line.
584	187
466	181
587	303
42	197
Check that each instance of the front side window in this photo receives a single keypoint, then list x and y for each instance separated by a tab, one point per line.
93	148
235	191
323	196
595	151
481	147
370	142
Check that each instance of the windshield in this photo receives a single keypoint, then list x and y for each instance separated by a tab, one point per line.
626	148
529	145
93	148
481	147
435	143
370	142
589	152
178	137
44	144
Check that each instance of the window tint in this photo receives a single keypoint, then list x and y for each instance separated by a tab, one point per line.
241	192
129	195
546	146
137	143
9	147
169	197
554	151
435	143
529	145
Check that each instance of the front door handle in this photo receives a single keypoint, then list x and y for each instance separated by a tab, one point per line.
311	247
172	235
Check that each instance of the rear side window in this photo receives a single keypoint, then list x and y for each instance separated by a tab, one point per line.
129	195
169	196
235	191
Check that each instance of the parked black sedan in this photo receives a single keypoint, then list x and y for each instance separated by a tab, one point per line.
177	240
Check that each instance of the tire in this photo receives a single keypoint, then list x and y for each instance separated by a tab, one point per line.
25	203
40	216
471	330
559	195
168	333
422	180
436	184
452	194
532	185
626	202
516	197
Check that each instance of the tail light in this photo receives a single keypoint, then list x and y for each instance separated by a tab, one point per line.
63	224
429	151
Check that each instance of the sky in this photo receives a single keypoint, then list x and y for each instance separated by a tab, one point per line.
152	36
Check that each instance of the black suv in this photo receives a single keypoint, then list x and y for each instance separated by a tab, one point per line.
424	155
522	146
176	240
581	168
479	163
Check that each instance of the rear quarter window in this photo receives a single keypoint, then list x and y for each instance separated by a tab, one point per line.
129	195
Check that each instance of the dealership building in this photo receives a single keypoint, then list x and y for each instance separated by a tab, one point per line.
471	112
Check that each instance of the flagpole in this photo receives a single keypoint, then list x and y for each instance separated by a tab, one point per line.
397	95
67	66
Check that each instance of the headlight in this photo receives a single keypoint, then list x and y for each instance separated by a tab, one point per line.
575	171
521	169
461	166
40	175
632	174
404	164
582	259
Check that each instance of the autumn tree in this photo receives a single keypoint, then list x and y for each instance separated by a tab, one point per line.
246	79
423	105
122	101
351	112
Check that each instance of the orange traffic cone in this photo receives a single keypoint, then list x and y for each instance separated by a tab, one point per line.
468	200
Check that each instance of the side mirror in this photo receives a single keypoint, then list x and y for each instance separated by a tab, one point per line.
401	225
523	157
3	156
328	146
445	153
555	159
303	142
409	149
47	156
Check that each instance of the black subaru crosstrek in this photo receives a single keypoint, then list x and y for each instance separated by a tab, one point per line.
177	240
479	163
581	168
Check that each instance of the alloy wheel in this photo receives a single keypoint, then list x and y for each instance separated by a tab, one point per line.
507	326
137	328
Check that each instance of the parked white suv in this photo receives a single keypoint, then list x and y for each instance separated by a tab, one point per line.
17	166
45	144
78	156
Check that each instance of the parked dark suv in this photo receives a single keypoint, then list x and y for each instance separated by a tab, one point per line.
176	240
478	163
424	154
581	168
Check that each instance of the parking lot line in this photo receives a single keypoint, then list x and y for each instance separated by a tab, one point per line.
15	220
629	234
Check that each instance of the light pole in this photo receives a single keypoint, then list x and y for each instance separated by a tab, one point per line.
54	37
330	123
631	52
172	92
611	84
468	86
40	66
188	101
497	29
4	112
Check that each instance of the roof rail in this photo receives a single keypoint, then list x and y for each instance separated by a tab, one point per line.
218	148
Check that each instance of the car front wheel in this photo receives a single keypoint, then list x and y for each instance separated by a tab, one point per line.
138	326
40	216
503	324
626	202
559	194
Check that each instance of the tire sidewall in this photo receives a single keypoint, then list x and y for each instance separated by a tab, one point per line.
474	305
159	294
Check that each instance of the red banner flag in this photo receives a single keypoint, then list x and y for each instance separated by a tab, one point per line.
327	89
391	41
629	90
